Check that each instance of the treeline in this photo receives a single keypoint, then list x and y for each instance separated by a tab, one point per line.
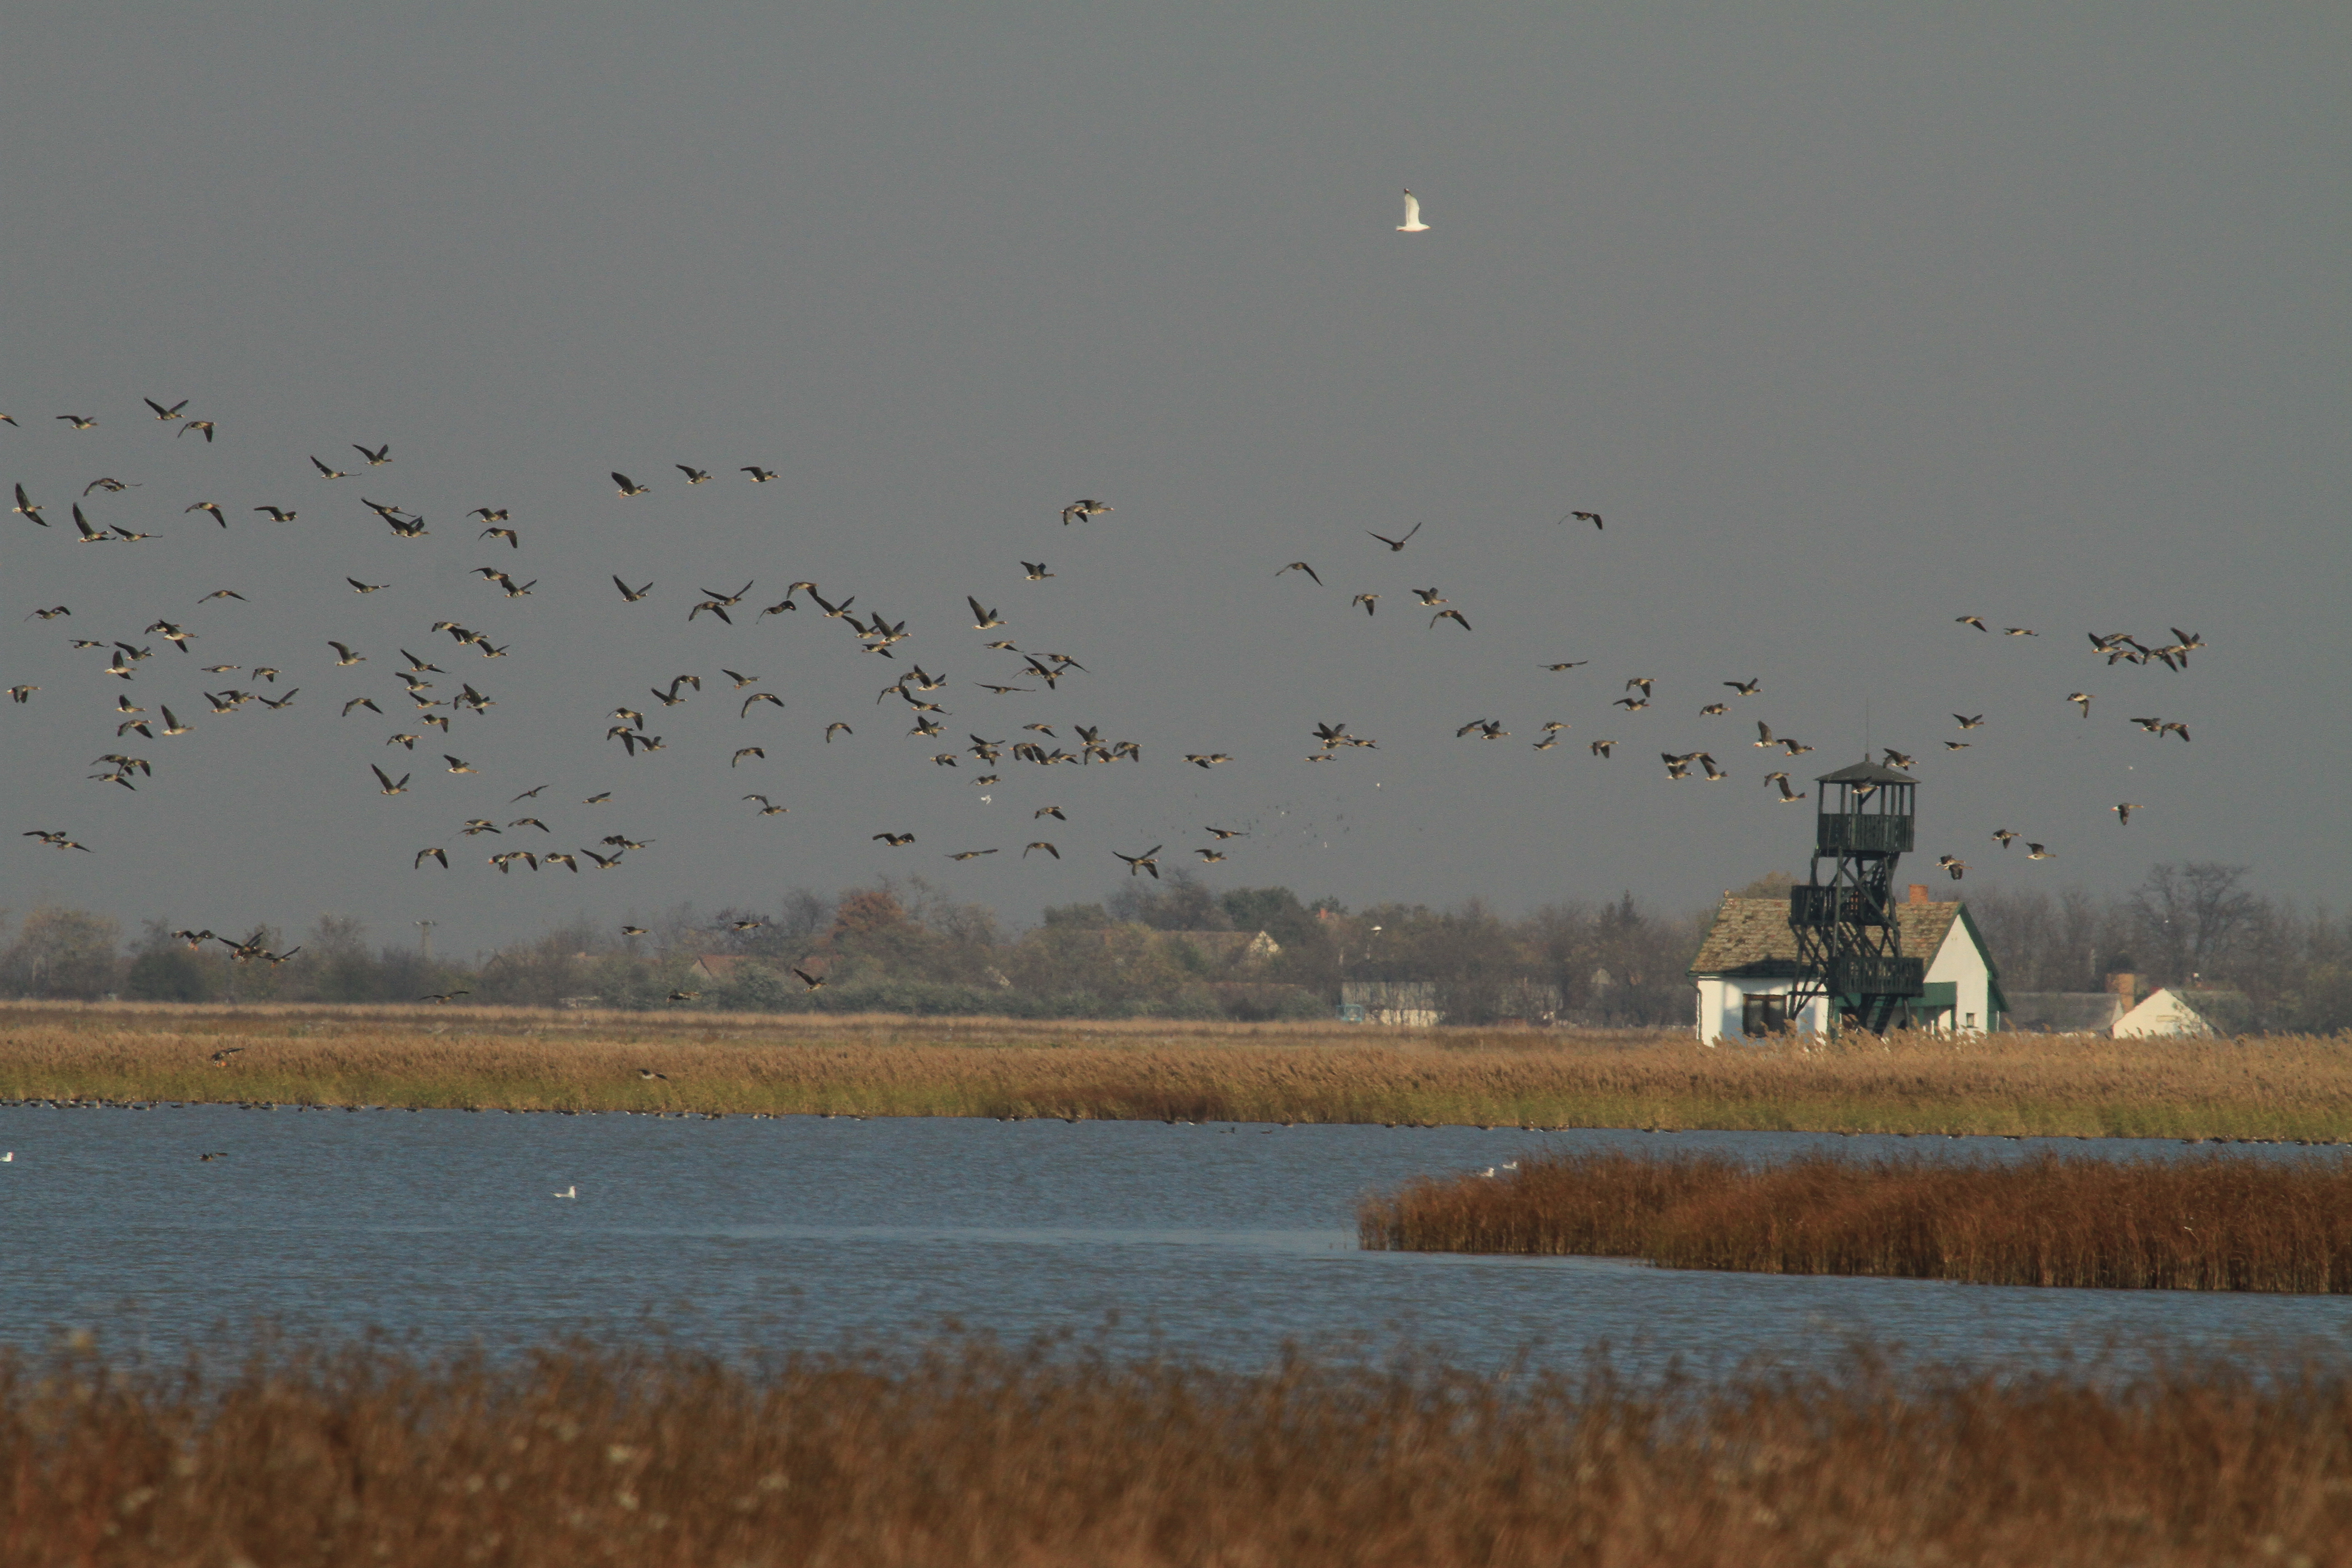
2275	968
1179	949
1173	949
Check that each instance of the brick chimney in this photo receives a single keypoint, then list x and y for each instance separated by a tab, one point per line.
2123	985
1918	892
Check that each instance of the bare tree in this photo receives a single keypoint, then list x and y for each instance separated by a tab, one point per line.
2191	916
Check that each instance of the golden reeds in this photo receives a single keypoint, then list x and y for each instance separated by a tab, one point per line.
967	1453
2280	1087
2204	1222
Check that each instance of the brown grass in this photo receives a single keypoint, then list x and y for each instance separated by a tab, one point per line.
2280	1087
2212	1222
970	1455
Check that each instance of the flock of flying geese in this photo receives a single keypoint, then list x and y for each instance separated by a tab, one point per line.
1037	743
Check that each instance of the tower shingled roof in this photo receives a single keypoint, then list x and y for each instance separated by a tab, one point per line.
1865	772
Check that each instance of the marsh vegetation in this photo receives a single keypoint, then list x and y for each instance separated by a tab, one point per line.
2272	1087
2208	1222
968	1453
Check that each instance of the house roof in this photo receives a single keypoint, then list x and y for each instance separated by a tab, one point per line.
719	965
1751	937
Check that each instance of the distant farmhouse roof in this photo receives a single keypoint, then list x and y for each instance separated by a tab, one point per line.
1228	947
1233	946
1751	939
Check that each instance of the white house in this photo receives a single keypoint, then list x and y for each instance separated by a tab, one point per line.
2169	1011
1748	965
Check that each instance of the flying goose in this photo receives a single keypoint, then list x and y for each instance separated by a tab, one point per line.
1146	861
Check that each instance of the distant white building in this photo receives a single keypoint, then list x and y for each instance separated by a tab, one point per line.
1403	1003
1747	968
2169	1011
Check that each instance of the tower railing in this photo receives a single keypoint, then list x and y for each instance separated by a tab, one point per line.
1838	835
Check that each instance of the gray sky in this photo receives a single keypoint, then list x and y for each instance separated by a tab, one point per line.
1848	322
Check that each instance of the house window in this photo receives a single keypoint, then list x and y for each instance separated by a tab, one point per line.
1972	1020
1761	1015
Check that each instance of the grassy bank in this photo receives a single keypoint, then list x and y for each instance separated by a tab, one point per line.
2283	1086
968	1455
2211	1224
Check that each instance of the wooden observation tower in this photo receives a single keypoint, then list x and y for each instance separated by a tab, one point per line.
1849	947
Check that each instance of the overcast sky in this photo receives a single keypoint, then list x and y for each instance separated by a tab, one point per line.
1848	322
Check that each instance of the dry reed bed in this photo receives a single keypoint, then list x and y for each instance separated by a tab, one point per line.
2208	1223
2280	1087
971	1454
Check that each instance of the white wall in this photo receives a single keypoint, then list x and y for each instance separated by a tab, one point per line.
1719	1007
2161	1013
1958	961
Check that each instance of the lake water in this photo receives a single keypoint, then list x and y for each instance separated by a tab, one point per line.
1218	1242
